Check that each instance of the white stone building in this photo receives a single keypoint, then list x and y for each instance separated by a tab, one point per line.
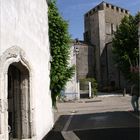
25	97
71	89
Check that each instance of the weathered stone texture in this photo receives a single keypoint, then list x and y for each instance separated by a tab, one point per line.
100	24
24	28
70	91
84	61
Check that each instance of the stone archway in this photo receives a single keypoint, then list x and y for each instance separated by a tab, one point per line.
16	73
18	101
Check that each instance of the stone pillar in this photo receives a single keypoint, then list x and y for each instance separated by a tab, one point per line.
78	89
89	89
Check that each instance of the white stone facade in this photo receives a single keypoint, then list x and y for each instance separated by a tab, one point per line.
71	89
24	40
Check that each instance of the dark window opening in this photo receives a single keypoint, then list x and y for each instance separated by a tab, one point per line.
87	15
90	12
112	31
107	5
126	11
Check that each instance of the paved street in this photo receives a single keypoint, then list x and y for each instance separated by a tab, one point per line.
104	117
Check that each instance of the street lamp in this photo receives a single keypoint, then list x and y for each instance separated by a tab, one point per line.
75	53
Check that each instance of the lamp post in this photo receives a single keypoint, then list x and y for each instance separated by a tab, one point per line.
75	53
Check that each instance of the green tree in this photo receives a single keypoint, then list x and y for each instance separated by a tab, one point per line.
126	48
60	50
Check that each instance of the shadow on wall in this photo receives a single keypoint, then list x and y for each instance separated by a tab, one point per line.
91	62
111	78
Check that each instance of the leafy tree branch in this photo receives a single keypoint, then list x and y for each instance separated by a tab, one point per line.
60	50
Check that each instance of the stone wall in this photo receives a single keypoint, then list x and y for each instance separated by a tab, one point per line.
81	57
24	38
82	61
85	61
71	91
100	24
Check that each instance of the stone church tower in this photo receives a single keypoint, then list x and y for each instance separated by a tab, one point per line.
100	24
25	98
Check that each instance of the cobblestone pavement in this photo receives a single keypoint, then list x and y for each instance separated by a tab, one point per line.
106	117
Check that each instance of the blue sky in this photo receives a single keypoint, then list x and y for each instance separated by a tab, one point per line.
73	11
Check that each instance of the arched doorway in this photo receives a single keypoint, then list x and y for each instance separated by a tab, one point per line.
19	102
